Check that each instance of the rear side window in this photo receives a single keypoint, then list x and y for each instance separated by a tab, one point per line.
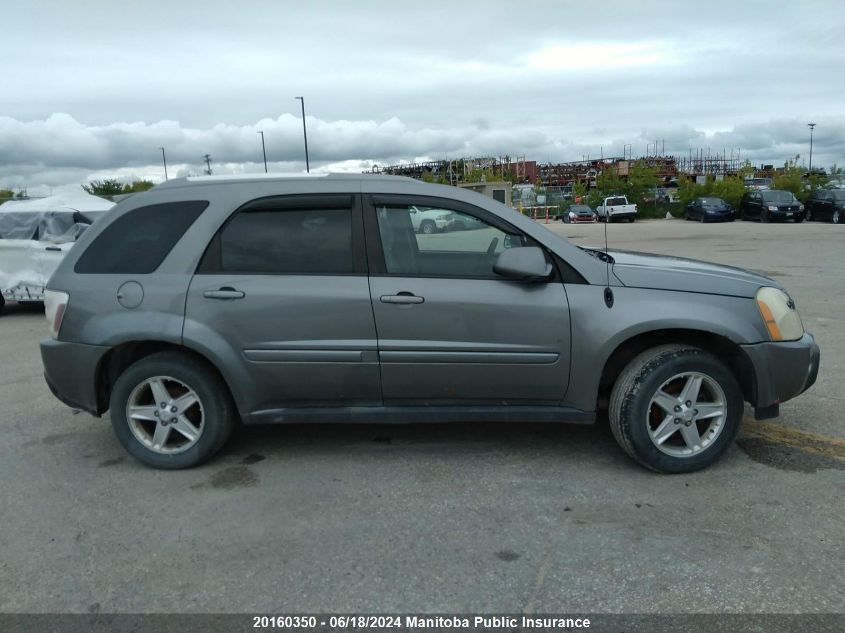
288	241
138	241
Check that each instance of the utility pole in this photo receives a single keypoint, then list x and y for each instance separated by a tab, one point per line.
164	160
304	133
263	150
207	158
811	126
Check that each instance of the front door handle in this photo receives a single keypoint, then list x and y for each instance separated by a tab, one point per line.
53	248
225	292
403	298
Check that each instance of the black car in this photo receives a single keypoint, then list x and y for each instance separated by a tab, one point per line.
771	204
709	209
577	214
826	204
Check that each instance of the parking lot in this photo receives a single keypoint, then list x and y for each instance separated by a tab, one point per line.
450	518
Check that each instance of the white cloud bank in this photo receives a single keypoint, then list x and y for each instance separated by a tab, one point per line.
61	150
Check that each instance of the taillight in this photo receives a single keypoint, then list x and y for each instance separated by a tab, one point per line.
55	303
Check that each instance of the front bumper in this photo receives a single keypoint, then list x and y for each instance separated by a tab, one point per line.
70	370
782	370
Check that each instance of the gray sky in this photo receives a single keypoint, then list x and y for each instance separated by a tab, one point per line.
93	88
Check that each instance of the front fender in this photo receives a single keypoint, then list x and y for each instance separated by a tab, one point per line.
597	331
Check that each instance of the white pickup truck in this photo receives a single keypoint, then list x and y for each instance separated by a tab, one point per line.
616	208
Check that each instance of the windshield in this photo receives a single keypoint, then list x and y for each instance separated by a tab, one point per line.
838	194
580	208
783	197
758	182
712	202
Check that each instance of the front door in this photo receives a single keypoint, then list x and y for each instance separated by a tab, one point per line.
450	330
282	292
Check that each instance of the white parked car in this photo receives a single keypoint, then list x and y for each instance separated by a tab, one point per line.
34	237
430	221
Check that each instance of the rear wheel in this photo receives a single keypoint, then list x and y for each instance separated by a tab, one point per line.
836	217
764	216
428	227
799	219
2	303
171	411
631	219
810	217
675	409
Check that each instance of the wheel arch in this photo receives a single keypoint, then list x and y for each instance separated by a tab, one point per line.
720	346
122	356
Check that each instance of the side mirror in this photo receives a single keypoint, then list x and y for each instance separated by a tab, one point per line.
525	263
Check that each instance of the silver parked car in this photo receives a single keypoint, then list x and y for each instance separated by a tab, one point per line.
211	301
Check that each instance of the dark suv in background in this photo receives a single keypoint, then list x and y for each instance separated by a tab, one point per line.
771	204
827	204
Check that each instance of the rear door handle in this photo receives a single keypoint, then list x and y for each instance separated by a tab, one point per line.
401	298
223	293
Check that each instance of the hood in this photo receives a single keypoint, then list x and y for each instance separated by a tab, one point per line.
645	270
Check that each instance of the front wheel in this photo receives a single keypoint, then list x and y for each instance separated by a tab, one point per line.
631	220
835	218
675	409
171	411
428	227
799	219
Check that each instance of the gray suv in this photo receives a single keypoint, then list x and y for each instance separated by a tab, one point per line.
213	301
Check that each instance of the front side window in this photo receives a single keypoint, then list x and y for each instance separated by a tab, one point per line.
433	241
288	241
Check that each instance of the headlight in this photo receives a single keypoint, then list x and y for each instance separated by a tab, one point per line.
773	207
779	314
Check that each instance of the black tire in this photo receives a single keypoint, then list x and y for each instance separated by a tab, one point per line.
639	382
810	217
631	220
2	303
217	406
764	217
428	227
836	216
798	219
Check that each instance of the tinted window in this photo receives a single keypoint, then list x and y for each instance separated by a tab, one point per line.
612	202
288	241
782	197
138	241
460	246
836	195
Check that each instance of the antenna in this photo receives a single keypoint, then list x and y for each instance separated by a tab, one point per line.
608	293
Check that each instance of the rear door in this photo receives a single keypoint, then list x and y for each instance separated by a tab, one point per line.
450	330
284	285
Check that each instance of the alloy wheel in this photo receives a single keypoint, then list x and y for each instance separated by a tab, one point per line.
165	415
687	414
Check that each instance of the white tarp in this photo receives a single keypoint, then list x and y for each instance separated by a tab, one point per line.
36	234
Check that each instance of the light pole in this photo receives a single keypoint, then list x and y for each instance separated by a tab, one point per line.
811	126
304	133
164	160
263	151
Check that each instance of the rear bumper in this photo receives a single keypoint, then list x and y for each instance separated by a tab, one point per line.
782	371
70	370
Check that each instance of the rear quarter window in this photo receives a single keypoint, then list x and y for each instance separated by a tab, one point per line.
137	242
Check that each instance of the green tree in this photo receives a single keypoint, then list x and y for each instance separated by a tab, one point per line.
137	186
107	187
6	194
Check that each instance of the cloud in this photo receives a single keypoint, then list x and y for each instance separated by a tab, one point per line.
60	150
